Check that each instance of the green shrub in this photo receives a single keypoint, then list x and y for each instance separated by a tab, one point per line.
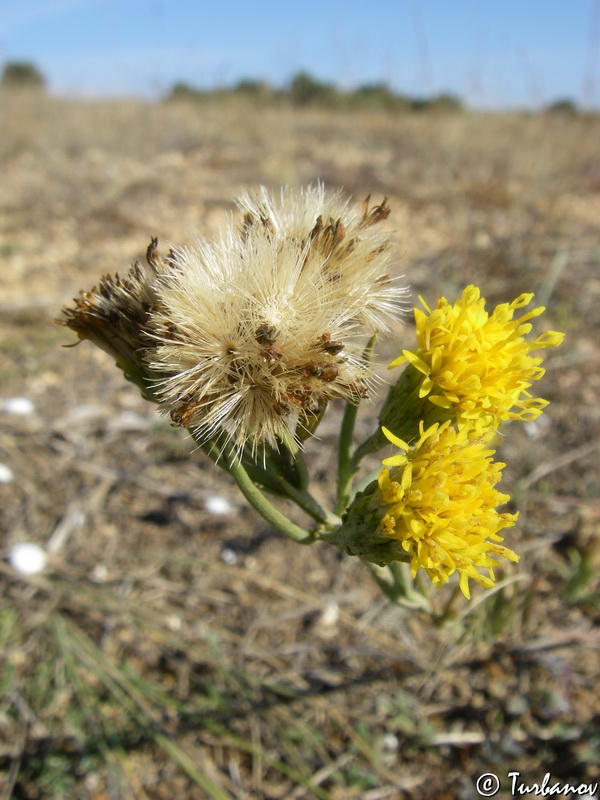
22	75
306	90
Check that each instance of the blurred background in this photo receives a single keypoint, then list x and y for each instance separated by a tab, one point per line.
173	645
524	55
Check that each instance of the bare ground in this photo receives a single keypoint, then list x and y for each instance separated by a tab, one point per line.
167	652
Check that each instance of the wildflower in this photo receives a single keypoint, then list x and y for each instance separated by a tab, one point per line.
470	367
435	506
254	333
442	505
475	367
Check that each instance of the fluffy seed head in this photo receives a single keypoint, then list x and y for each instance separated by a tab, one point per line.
253	333
339	246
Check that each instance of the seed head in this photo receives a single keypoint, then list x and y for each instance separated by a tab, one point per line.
114	316
338	244
253	333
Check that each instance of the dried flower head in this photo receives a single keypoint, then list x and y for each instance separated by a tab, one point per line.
253	333
114	316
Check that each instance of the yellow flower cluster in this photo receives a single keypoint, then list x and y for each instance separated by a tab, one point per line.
477	365
438	498
441	505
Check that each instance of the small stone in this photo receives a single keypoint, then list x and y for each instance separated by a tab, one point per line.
390	742
330	615
217	505
6	474
228	556
17	405
27	558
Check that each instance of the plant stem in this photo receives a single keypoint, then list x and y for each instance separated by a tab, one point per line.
274	480
226	457
308	503
346	466
394	581
302	470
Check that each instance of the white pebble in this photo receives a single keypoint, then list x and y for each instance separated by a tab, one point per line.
99	573
217	505
330	614
390	742
228	556
174	622
6	474
18	405
27	558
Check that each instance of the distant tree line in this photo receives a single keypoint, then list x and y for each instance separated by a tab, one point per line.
302	90
306	90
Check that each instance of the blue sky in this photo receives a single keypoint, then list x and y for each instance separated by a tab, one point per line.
493	53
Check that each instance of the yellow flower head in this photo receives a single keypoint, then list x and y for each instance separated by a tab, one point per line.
478	364
440	504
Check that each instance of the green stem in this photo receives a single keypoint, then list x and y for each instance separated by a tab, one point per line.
225	456
265	478
370	445
277	463
395	582
308	503
385	579
401	412
302	470
274	476
346	466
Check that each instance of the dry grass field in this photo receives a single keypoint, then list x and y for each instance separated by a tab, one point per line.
171	653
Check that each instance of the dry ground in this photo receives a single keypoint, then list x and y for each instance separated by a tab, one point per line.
171	653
